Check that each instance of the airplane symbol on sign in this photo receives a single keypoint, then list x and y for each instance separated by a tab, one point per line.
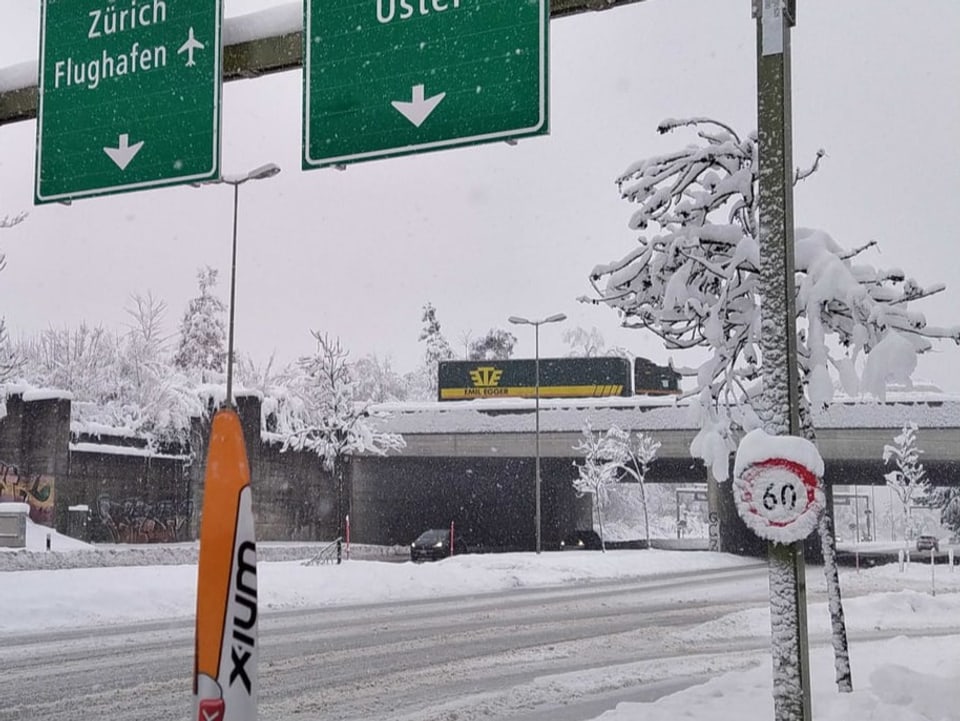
189	46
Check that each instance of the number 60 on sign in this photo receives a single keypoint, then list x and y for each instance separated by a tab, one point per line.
777	486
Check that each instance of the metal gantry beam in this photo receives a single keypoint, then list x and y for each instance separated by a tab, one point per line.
264	56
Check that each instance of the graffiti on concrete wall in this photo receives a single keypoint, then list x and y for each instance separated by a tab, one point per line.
134	520
34	489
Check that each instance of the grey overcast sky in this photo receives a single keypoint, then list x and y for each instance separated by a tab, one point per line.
492	231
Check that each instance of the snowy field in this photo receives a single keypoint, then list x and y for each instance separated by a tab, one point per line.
914	678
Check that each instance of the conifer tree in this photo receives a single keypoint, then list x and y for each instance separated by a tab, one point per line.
202	329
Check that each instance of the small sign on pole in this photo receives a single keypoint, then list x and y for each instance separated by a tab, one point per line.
777	486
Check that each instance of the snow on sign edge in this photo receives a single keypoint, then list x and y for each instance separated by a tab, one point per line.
757	447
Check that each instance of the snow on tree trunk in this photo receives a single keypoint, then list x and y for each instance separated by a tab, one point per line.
596	505
646	513
838	626
828	545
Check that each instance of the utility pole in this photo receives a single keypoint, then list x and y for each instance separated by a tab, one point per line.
779	407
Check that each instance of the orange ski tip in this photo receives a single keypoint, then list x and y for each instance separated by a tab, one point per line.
227	474
227	454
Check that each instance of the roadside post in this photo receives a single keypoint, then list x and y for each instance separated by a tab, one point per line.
779	406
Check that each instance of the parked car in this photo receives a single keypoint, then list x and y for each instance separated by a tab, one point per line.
925	543
582	541
435	544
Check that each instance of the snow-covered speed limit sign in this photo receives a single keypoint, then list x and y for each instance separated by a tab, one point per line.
777	486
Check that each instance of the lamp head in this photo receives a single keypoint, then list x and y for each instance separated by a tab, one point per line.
517	320
264	171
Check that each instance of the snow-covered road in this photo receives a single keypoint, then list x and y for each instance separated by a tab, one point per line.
524	654
481	656
524	637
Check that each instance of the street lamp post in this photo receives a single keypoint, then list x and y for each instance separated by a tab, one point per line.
536	363
264	171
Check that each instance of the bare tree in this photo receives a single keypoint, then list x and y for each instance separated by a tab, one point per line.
597	474
8	221
632	454
584	343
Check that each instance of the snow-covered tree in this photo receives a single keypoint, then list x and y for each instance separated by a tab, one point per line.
632	453
377	382
597	474
437	347
11	360
154	400
202	344
497	344
82	361
125	382
583	343
908	480
948	500
694	281
421	383
329	420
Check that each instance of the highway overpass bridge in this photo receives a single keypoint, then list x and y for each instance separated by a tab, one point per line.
473	461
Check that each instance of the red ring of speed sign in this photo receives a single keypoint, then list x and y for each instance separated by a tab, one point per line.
772	493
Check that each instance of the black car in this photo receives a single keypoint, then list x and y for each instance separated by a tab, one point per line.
434	544
582	541
928	543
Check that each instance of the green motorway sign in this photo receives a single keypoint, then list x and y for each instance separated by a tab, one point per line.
129	96
392	77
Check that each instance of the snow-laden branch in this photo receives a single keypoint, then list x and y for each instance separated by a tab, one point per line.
323	415
693	281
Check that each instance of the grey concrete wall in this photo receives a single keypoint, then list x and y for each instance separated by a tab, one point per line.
33	443
484	482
